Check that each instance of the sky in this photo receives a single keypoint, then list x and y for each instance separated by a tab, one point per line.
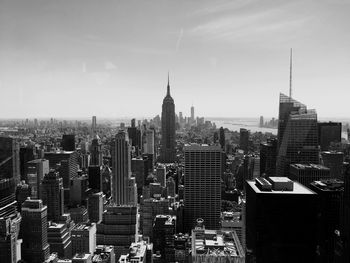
228	58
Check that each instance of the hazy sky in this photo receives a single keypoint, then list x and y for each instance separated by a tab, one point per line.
77	58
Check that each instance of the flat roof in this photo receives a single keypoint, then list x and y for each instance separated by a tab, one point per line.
309	166
202	147
297	189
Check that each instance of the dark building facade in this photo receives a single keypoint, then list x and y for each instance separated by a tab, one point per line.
68	142
268	157
202	198
52	195
328	132
35	247
244	139
9	159
168	128
330	194
275	233
307	173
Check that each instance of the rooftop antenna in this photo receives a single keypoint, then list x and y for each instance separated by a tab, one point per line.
290	73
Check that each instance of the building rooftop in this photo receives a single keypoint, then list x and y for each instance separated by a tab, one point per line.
329	185
309	166
202	147
297	189
216	243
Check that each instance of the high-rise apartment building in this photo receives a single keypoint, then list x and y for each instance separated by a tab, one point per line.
168	128
35	247
202	198
121	168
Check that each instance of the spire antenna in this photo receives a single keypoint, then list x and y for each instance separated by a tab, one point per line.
290	72
168	87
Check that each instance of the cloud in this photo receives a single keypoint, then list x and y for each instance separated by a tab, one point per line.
273	24
179	39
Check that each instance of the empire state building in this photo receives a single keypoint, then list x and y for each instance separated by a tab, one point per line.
168	128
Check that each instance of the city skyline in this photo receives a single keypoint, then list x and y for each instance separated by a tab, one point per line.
57	55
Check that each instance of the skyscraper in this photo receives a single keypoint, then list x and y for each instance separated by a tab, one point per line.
297	135
96	151
68	142
268	152
36	171
203	171
281	218
168	128
192	114
35	247
93	126
328	132
244	139
121	168
52	195
9	159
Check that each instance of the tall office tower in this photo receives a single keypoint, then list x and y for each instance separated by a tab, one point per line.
345	215
203	171
52	195
139	169
268	155
84	238
121	168
118	227
222	137
181	118
274	233
307	173
132	191
134	135
297	134
149	209
35	247
328	132
69	164
161	174
93	126
26	154
164	229
168	128
68	142
192	114
334	161
78	190
170	187
95	207
95	178
59	239
261	123
244	139
36	170
8	241
23	191
149	144
330	193
9	159
96	151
